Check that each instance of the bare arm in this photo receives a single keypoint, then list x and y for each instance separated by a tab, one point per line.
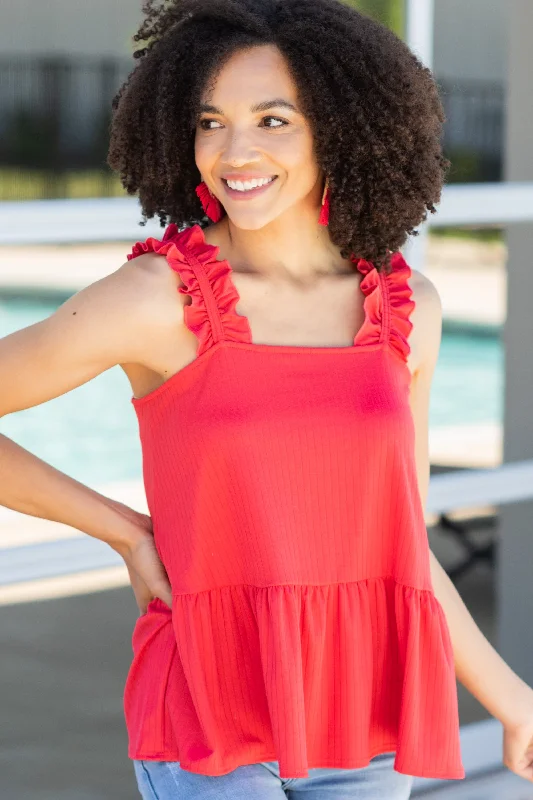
478	666
110	322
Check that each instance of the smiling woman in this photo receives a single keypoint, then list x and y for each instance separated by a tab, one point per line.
290	636
304	640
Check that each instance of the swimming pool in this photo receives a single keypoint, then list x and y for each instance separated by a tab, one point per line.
91	432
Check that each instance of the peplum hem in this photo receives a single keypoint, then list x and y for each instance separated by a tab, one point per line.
188	254
308	675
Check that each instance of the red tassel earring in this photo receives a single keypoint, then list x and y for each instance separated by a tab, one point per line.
324	211
210	203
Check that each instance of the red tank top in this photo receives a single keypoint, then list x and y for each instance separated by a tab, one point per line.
282	486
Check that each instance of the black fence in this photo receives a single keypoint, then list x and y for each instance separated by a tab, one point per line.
55	113
475	129
54	123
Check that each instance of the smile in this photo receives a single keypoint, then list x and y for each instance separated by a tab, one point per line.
245	186
249	188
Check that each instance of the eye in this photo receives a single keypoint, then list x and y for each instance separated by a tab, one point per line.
276	119
205	124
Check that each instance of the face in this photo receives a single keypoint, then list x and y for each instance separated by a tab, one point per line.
253	145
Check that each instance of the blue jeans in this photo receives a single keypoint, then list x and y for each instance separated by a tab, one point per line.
163	780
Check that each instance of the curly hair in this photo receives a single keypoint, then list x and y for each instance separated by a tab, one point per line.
374	110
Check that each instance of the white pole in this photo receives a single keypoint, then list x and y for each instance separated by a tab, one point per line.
419	29
419	37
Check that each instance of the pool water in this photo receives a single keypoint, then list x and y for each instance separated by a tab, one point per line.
91	433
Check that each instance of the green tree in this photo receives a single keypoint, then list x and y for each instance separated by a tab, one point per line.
389	12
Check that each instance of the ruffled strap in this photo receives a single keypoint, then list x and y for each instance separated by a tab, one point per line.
372	329
400	305
211	315
387	305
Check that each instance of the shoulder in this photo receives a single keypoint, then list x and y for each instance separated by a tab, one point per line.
135	306
424	292
145	286
151	268
426	317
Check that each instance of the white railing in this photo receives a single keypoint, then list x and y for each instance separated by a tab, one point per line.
117	218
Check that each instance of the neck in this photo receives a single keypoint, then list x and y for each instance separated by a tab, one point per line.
293	247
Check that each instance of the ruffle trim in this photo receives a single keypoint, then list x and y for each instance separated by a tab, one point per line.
401	305
308	675
371	332
211	315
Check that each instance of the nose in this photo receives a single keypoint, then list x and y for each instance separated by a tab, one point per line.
239	151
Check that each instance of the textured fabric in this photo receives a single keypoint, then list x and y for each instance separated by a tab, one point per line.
282	485
166	780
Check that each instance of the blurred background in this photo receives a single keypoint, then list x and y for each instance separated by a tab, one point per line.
66	608
61	63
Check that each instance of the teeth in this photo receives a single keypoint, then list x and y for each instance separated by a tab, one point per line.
245	186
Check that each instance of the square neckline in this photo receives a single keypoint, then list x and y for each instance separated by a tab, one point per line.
216	277
365	268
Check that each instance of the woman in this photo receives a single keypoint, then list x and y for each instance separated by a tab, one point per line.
297	637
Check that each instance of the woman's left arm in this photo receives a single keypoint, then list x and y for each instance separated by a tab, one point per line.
478	666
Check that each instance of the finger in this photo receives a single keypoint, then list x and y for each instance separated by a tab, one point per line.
526	773
163	590
161	584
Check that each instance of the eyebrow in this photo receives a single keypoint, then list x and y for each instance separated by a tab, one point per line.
266	105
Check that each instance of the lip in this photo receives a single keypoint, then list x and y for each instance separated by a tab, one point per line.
246	176
236	195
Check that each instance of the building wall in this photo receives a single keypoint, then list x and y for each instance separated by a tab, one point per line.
471	39
470	42
63	27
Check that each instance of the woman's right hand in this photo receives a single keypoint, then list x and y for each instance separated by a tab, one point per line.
115	321
147	574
